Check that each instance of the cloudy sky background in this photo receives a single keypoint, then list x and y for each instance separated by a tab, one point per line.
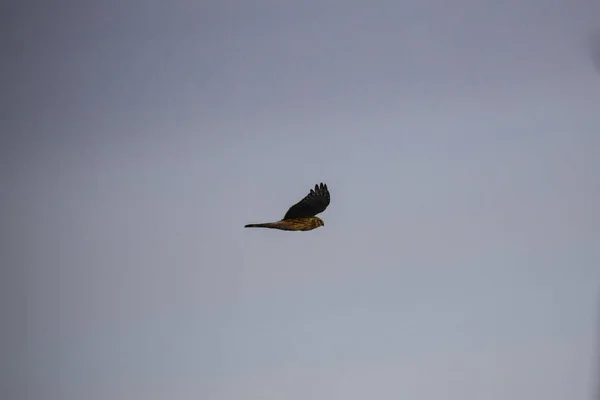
459	257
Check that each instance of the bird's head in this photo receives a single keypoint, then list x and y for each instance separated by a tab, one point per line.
319	222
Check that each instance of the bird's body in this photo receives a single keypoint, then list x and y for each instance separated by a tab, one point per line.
301	216
297	224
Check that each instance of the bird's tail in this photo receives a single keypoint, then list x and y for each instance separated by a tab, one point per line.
263	225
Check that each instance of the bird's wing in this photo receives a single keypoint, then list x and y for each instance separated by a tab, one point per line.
315	202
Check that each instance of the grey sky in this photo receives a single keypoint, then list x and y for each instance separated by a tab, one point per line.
459	257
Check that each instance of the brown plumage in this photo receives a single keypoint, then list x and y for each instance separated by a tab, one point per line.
301	216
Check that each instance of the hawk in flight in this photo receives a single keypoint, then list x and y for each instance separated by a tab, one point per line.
301	216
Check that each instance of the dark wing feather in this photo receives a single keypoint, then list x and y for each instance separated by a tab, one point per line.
315	202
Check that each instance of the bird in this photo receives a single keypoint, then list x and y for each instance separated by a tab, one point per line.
302	215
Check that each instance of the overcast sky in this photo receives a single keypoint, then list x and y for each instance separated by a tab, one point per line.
459	258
